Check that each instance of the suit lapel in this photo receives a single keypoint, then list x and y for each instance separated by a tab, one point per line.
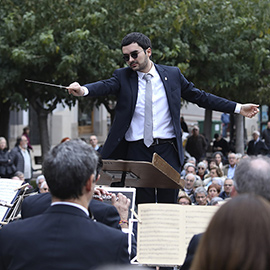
165	80
134	89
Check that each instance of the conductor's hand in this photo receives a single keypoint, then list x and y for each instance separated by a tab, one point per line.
249	110
75	89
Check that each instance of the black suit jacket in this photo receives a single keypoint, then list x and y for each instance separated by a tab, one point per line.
192	247
102	212
259	148
63	237
124	84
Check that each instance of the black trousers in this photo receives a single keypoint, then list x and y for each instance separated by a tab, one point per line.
137	151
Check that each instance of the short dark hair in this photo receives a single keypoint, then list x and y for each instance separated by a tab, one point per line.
67	168
136	37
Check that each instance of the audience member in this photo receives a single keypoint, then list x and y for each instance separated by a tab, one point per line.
202	170
241	248
218	156
188	168
26	132
196	145
251	177
266	135
184	200
20	176
228	186
190	179
257	146
94	143
216	201
7	168
21	157
68	238
212	163
44	187
214	172
190	160
225	118
239	156
184	126
213	191
200	195
220	144
40	179
229	169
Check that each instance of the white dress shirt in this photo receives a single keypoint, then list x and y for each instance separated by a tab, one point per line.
162	121
27	164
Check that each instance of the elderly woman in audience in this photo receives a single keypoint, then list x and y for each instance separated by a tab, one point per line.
44	187
202	170
39	180
236	237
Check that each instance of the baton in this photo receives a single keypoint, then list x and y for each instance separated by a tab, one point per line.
48	84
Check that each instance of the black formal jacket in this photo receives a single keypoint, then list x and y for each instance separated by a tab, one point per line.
102	212
63	237
192	247
124	84
259	148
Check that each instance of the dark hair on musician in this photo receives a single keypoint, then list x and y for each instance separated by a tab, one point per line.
136	37
67	168
230	243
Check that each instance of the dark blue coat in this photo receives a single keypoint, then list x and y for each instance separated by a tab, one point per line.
124	85
63	237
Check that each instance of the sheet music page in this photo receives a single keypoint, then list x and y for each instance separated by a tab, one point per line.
7	193
166	229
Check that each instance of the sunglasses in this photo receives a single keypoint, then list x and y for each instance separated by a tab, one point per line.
134	55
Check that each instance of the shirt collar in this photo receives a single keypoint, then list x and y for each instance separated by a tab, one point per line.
152	71
72	204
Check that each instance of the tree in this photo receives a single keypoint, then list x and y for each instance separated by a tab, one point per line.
222	46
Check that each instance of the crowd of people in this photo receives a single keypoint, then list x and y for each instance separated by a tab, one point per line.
208	177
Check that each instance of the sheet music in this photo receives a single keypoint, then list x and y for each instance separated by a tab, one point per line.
7	193
166	229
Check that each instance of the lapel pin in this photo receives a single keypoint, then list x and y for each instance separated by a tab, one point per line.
166	78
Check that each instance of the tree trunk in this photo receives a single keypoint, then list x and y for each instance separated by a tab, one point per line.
207	127
239	124
43	131
4	119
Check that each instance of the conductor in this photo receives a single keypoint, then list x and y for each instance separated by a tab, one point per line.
147	114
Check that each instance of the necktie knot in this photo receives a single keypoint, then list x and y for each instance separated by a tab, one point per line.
147	77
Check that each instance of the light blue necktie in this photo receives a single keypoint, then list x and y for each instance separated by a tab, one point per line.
148	114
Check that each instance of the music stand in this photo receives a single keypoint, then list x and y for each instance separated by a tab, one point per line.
155	174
